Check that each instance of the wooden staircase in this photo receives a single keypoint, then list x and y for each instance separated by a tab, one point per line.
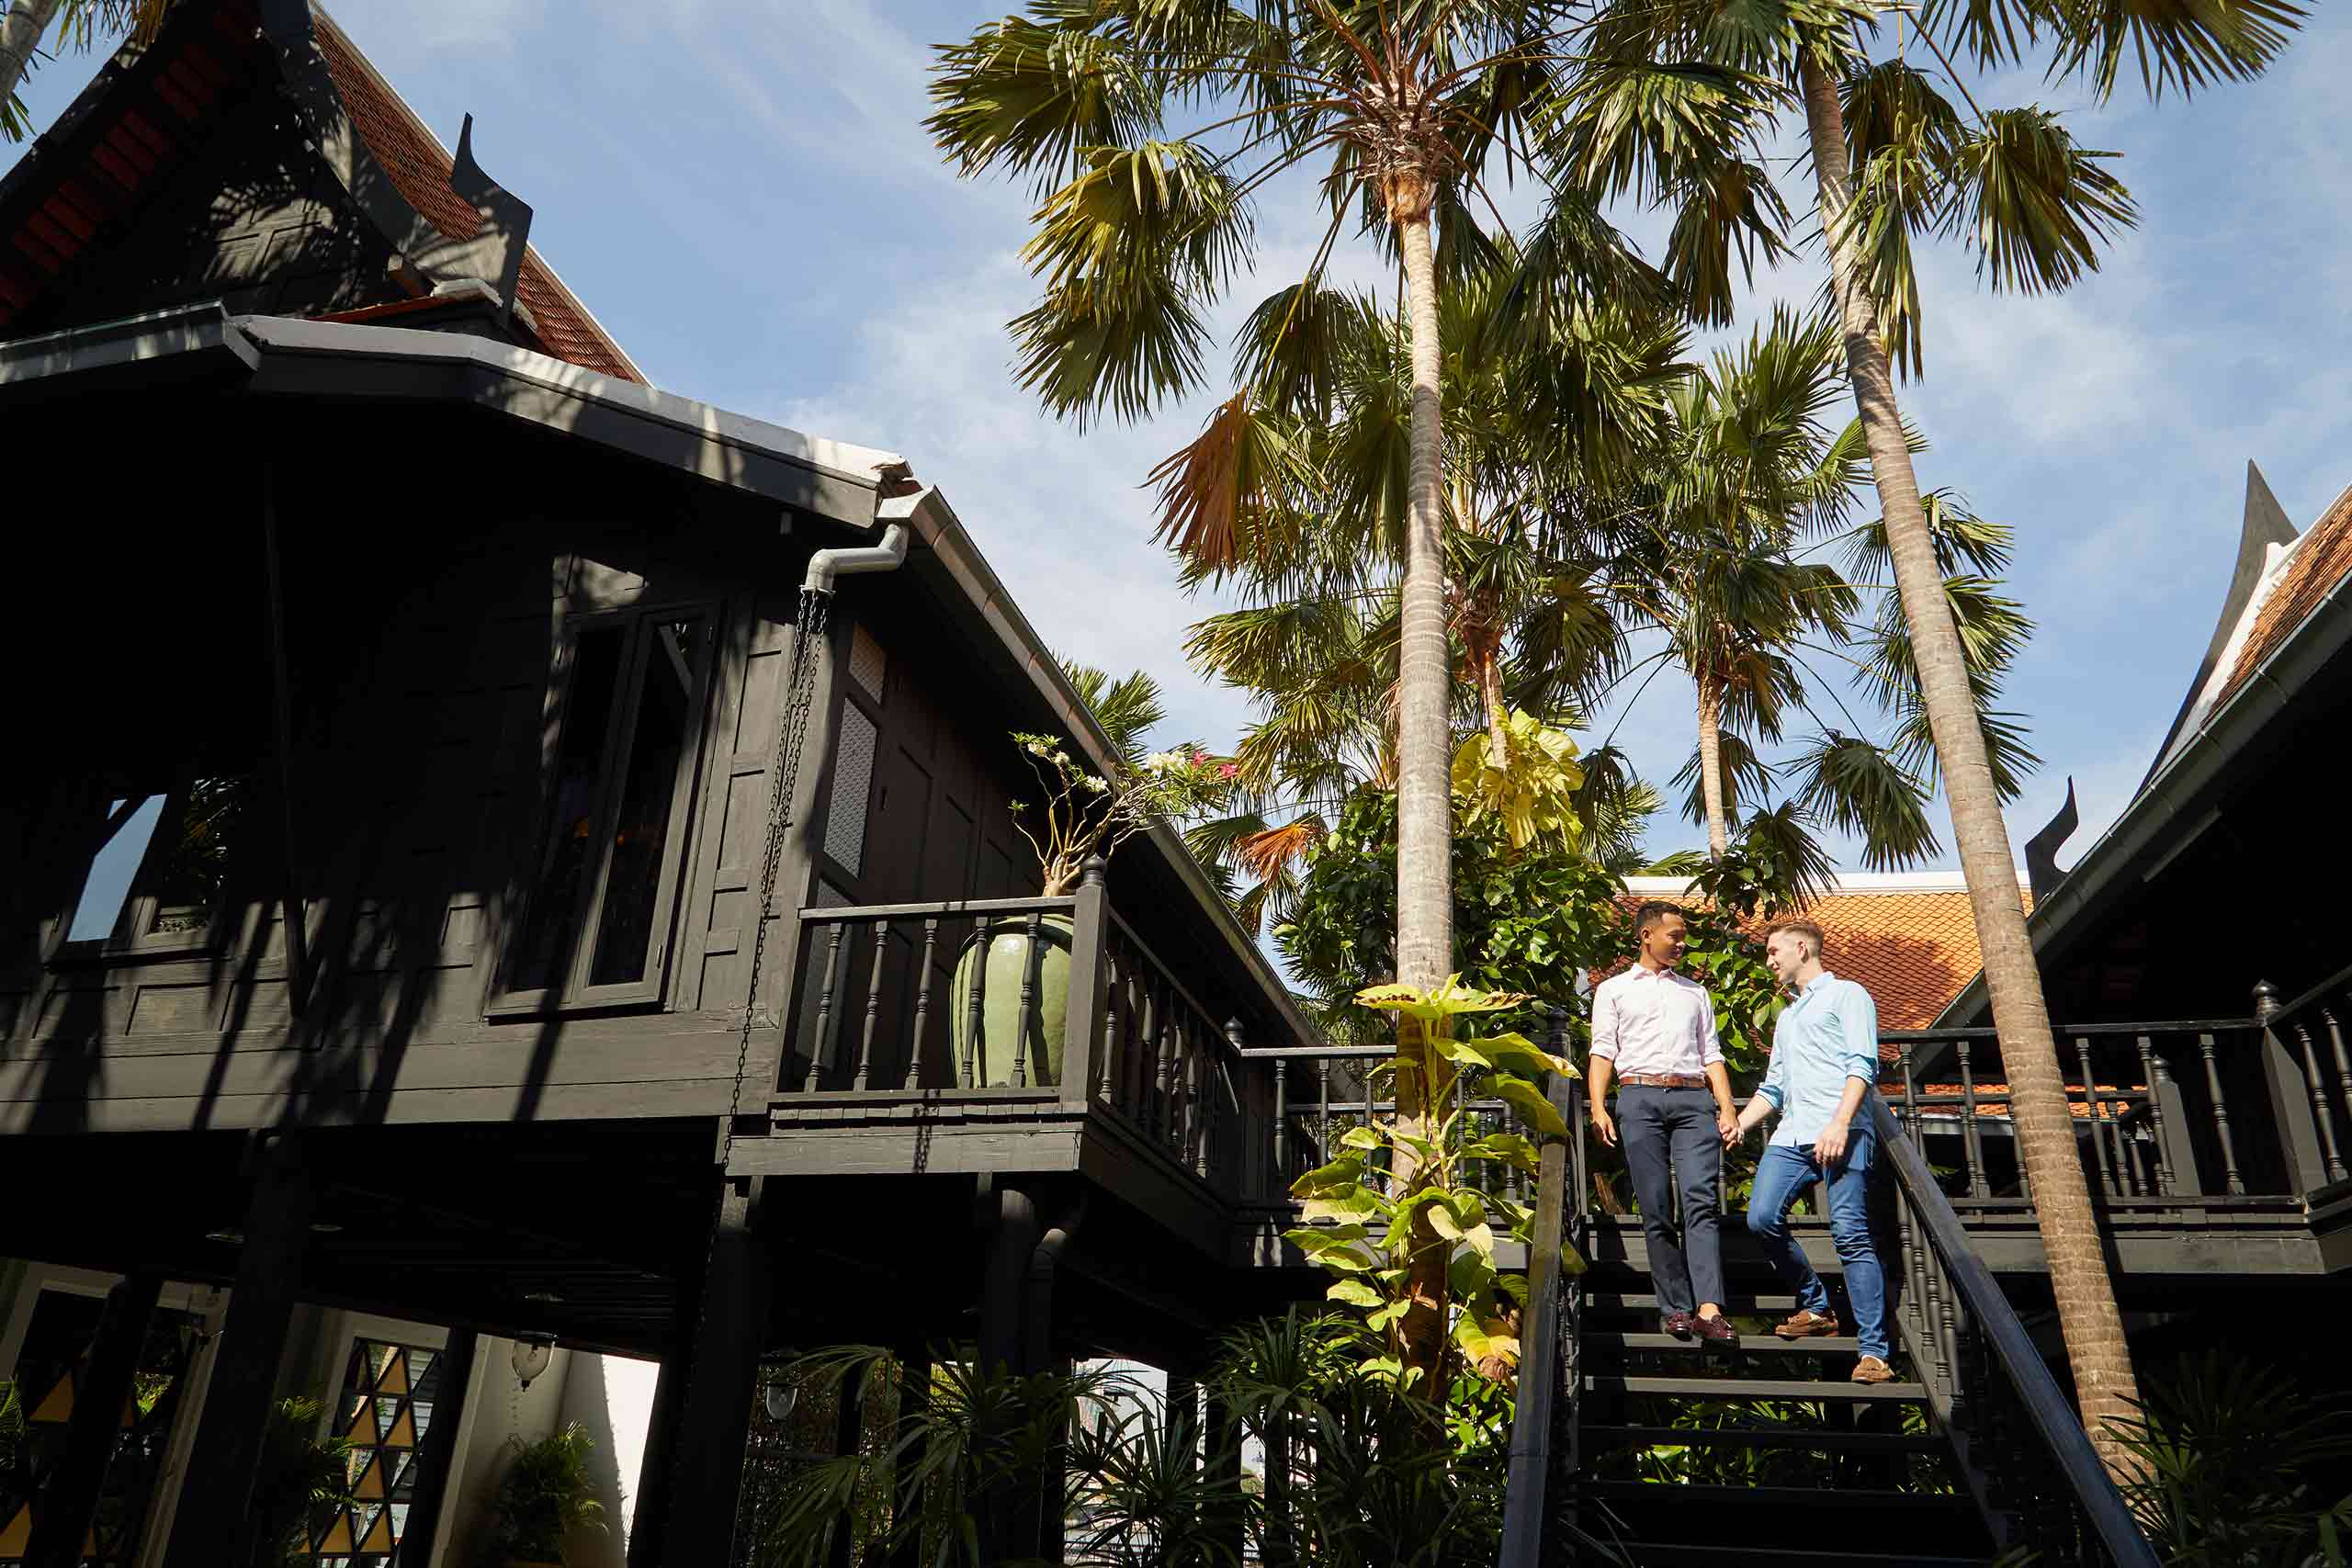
1755	1457
1630	1444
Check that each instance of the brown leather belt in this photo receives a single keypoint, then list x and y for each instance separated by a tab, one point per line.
1662	1080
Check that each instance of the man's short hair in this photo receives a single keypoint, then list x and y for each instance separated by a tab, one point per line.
1804	928
1653	911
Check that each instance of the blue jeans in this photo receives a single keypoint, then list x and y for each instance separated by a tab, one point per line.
1781	1174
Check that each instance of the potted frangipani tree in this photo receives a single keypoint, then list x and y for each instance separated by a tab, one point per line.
1079	814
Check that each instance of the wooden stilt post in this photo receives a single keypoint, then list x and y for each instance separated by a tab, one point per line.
69	1502
438	1447
209	1528
706	1463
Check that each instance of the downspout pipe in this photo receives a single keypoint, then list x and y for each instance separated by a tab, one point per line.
888	554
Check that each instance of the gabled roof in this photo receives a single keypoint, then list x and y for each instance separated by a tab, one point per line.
2314	564
149	120
419	167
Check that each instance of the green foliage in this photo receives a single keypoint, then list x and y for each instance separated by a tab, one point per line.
298	1474
1530	789
1370	1226
14	1482
2240	1463
544	1494
1522	922
1079	813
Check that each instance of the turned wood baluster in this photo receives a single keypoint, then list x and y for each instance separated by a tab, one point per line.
1910	1095
1112	1025
1143	1058
2236	1184
1972	1136
2343	1061
825	1005
1163	1112
2090	1103
1282	1126
1031	961
974	1020
2155	1113
864	1075
922	1004
2323	1113
1323	1112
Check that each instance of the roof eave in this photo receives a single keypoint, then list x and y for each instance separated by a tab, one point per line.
2137	839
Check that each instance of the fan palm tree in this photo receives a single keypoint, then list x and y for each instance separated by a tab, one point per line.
1672	102
1404	111
1709	552
28	21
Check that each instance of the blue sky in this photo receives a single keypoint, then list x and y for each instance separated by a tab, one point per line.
744	196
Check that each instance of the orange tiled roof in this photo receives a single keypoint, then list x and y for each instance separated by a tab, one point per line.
419	169
1912	948
1993	1099
2322	559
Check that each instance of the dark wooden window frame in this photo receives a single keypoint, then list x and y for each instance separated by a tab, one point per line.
133	938
573	993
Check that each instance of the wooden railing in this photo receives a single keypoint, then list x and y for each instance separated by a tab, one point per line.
2023	1449
2306	1060
2167	1112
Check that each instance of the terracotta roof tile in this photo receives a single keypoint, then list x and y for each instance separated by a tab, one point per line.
2323	559
1911	949
419	169
1993	1099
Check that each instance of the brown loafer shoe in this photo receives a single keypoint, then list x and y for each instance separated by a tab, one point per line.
1677	1324
1716	1330
1807	1324
1870	1369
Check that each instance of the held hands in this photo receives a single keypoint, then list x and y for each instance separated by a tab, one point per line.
1727	1128
1604	1124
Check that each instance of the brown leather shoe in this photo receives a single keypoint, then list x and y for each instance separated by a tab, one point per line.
1716	1330
1806	1325
1677	1324
1870	1369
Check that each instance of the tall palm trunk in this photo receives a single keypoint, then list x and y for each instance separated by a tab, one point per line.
2078	1278
1424	783
20	33
1711	767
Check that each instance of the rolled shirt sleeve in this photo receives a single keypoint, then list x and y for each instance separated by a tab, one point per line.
1860	1014
1711	1050
1604	1021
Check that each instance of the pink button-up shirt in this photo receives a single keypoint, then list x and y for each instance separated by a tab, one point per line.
1655	1020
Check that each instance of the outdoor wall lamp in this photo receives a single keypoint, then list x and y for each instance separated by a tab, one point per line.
531	1356
780	1398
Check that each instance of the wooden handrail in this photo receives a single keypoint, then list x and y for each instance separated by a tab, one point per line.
2064	1444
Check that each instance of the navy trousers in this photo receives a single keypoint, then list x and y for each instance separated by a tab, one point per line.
1674	1157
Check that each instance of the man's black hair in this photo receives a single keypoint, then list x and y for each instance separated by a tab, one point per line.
1653	911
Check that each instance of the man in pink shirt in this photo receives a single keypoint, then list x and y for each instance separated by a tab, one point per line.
1654	1032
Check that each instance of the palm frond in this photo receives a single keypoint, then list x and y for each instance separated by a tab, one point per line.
1030	97
1215	493
1128	251
1855	787
1730	206
2033	206
2186	44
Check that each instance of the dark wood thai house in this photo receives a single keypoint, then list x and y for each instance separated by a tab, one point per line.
382	870
490	844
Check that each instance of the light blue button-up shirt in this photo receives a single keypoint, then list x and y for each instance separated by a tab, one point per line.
1825	1036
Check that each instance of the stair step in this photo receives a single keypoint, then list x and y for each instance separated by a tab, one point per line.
1749	1344
1683	1497
1809	1439
1789	1518
1760	1388
1641	1301
1658	1554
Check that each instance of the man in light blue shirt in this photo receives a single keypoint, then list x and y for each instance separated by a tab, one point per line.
1825	1059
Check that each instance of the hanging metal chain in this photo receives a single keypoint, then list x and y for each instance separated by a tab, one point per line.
783	774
